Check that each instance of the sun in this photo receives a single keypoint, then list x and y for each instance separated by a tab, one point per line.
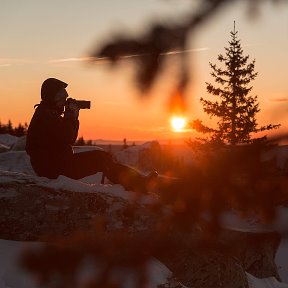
178	123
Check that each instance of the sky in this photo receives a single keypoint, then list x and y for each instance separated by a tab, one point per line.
42	39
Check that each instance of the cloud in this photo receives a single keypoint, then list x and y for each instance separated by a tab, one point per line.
7	62
279	100
5	65
114	103
71	59
185	51
105	59
170	53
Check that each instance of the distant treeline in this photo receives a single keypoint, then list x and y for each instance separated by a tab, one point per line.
82	142
21	130
8	128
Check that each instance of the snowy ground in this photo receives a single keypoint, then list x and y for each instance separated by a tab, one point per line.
16	164
13	276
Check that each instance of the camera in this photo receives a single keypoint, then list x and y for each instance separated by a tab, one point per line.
82	104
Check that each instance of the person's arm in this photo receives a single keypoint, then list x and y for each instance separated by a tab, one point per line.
60	131
50	131
71	115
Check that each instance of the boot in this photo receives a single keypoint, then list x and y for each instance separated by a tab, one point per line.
130	178
133	180
151	181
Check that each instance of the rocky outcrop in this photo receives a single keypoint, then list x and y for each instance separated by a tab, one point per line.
223	260
29	211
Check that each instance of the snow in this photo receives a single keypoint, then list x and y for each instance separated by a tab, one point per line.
270	282
8	140
67	184
16	161
232	220
132	155
12	275
20	144
281	260
4	148
15	166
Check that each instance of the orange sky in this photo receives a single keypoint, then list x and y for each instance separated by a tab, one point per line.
41	40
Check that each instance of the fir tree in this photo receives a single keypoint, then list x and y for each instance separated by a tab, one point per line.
236	109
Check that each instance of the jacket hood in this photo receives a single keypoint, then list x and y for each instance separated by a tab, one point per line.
50	88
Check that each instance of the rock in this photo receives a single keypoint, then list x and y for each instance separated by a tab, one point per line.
29	211
224	260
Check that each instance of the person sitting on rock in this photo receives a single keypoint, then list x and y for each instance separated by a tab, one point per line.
53	130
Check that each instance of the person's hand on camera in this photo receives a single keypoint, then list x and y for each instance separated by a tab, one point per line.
71	109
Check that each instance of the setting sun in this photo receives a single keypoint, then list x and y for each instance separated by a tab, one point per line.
178	123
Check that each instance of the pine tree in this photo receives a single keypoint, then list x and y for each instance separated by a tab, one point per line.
236	109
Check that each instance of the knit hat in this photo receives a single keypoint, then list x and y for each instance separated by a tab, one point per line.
51	87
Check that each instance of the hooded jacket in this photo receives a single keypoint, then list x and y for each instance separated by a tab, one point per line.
50	137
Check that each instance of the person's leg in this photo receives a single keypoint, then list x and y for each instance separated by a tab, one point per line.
86	163
130	178
90	162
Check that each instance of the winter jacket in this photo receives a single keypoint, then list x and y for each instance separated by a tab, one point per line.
50	138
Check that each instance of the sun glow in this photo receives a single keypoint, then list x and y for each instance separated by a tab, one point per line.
178	123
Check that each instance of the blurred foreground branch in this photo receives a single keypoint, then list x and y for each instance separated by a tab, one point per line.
148	51
186	223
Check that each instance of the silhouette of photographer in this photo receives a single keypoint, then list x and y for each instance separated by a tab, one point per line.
53	130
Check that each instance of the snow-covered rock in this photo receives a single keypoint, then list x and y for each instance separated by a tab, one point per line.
20	144
32	207
78	149
146	156
17	161
8	140
4	148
